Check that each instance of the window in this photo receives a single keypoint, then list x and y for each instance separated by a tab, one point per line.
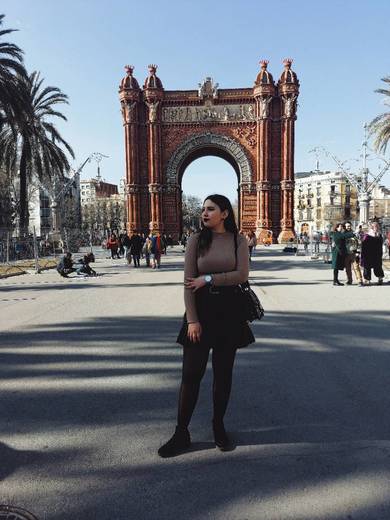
347	200
318	214
348	189
318	201
332	201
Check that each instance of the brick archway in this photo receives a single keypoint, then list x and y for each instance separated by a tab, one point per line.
252	128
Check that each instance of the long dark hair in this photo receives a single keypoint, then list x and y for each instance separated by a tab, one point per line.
205	234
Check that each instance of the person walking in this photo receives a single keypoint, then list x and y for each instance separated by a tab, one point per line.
146	249
216	261
372	252
112	245
155	250
352	255
252	242
126	245
136	248
338	252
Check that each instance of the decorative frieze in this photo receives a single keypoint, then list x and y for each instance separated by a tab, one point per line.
212	113
155	188
287	185
263	186
133	188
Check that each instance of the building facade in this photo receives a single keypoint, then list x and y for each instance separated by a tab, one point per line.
324	198
251	128
92	189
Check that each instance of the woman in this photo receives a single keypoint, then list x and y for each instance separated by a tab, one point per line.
216	261
371	257
339	252
113	245
252	242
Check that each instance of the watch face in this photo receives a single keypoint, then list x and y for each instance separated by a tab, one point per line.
207	278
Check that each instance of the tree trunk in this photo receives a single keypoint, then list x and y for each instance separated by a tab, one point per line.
23	196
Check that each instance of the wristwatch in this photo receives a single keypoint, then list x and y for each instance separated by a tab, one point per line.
208	279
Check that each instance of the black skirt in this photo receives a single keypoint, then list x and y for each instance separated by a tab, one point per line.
222	327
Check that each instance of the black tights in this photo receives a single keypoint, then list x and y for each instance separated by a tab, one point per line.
194	367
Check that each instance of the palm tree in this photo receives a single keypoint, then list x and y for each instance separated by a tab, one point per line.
380	126
11	63
30	142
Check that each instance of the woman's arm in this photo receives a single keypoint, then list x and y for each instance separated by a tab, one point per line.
241	274
190	271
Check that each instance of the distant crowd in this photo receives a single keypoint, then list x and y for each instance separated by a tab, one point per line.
356	251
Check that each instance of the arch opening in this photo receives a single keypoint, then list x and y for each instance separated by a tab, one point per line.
201	176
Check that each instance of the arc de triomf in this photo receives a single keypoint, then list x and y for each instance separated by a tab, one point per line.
251	128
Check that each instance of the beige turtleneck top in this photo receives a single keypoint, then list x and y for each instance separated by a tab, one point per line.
219	261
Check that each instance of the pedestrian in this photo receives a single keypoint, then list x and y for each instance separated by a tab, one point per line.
126	246
252	242
136	248
112	245
121	248
339	252
305	241
65	265
146	249
155	250
183	242
216	261
372	251
352	255
164	243
316	238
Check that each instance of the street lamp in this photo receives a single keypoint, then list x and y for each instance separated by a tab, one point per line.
361	181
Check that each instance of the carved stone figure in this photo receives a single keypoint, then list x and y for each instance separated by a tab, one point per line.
289	105
264	103
128	111
208	89
153	111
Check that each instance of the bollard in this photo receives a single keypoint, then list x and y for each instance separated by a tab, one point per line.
36	254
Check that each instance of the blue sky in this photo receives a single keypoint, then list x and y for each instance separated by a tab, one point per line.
340	51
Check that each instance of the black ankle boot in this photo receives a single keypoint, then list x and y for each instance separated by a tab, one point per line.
178	443
336	282
221	438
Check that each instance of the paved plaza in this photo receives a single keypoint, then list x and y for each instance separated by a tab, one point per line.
89	379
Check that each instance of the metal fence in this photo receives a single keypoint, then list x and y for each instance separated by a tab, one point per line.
35	253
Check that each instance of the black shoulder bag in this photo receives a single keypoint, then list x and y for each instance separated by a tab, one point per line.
249	304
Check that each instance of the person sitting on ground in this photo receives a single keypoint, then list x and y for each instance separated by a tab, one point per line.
85	269
65	265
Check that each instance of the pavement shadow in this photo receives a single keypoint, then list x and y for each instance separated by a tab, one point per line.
309	414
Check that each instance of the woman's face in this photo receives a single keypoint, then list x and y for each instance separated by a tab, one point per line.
212	216
340	228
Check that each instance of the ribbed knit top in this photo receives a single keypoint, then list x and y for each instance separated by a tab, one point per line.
219	261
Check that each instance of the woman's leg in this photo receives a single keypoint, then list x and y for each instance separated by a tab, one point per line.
194	367
223	361
378	271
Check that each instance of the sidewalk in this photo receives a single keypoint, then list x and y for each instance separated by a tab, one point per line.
89	379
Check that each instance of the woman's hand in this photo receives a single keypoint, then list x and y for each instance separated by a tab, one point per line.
195	283
194	331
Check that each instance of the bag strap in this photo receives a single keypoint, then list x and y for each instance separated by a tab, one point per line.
235	248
